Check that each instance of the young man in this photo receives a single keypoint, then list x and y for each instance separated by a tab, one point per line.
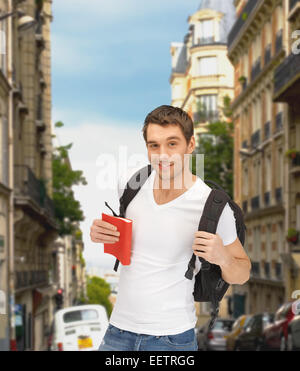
154	309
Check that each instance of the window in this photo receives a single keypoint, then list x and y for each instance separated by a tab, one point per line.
279	166
176	91
3	46
208	102
268	173
268	243
207	31
4	150
245	182
298	217
207	66
80	315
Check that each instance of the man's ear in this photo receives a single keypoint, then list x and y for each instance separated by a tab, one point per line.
192	144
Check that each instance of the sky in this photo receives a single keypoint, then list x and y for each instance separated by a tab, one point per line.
111	66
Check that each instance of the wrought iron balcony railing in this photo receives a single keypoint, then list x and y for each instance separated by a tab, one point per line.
284	79
30	278
240	22
27	184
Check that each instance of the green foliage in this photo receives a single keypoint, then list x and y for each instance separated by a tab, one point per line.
98	291
67	208
217	146
244	16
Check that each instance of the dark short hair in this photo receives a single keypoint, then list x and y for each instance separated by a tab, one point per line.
169	115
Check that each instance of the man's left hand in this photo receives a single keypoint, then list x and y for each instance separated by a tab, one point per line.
211	248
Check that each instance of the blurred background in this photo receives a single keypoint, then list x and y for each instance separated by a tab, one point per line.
77	79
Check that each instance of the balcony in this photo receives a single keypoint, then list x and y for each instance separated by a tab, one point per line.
294	9
287	80
255	139
267	130
267	54
278	195
255	203
267	198
256	69
278	42
278	122
240	22
205	40
204	116
25	279
27	185
255	269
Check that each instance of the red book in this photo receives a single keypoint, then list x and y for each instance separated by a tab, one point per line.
122	248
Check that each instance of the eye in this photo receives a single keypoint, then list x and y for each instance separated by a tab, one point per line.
152	145
173	143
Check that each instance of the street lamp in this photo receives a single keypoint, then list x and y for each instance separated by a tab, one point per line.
25	21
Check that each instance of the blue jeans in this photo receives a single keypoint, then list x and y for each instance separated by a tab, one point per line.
116	339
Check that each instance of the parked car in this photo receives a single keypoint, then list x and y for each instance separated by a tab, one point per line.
237	327
275	335
293	338
79	328
214	339
251	337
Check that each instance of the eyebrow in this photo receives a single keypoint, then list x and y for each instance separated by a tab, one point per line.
173	137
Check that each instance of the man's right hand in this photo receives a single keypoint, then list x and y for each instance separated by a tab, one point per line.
104	232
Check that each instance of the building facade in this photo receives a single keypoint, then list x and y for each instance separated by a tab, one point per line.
257	44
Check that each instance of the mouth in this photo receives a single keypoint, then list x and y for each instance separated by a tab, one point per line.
165	165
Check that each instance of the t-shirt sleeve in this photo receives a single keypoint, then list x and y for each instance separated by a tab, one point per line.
226	227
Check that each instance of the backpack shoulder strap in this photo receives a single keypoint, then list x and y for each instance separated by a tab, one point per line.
212	211
133	186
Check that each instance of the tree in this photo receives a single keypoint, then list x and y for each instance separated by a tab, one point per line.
98	291
217	146
67	208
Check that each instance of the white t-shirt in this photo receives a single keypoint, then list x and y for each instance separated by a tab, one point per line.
154	296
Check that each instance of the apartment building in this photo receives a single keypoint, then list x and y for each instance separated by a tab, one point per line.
287	90
5	181
202	75
257	45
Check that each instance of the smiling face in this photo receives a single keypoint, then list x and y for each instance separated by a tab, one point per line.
166	147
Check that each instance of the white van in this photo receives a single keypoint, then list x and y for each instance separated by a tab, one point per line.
80	327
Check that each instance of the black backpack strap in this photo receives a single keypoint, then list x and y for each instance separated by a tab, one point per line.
212	211
133	186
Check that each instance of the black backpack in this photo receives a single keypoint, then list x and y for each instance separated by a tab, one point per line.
209	285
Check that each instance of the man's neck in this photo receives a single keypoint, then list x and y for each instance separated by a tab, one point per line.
181	182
